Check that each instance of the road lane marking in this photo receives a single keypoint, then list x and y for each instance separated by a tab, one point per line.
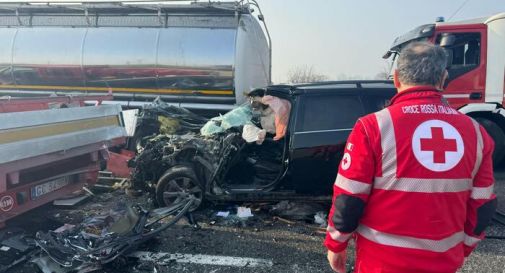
162	258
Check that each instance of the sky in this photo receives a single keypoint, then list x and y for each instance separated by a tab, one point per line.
342	39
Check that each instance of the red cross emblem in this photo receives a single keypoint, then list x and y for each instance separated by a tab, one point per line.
438	144
346	161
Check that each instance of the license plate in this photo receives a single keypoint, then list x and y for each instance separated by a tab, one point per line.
48	187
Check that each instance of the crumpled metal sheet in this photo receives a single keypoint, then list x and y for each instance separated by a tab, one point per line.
162	118
78	248
47	265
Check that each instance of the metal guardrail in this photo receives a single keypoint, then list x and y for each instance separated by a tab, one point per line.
34	133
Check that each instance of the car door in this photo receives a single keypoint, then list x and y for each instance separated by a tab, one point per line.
322	124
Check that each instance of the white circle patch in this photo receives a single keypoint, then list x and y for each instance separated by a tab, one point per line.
346	161
437	145
6	203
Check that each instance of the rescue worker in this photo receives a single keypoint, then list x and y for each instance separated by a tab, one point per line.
415	184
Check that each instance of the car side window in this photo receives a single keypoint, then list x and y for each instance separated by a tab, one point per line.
375	103
324	112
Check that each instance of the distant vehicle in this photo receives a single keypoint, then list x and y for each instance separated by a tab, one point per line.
303	164
201	56
476	65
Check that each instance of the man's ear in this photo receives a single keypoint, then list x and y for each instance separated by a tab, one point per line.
441	85
396	82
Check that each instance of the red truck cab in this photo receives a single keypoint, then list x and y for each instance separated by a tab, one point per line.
476	64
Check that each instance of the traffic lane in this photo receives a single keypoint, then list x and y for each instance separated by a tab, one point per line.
291	248
297	248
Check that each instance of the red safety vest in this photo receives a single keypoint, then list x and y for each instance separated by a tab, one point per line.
420	170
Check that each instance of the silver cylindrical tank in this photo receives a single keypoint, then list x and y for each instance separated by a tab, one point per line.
194	55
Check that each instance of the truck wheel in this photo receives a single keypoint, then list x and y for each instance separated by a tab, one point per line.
178	179
498	137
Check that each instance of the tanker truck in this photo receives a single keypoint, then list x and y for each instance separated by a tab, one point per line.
201	56
476	64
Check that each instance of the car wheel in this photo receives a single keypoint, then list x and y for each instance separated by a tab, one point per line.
178	179
496	133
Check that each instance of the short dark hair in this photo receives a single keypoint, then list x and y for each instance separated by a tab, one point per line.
421	63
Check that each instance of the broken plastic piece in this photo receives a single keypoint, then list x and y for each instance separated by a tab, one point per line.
243	212
130	121
223	214
320	218
126	223
71	201
47	265
63	228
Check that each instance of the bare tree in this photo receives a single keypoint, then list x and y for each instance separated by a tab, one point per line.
305	74
346	77
381	76
384	73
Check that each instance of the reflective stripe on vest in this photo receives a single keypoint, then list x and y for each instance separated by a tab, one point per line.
426	185
471	241
352	186
480	148
388	143
387	239
337	235
482	192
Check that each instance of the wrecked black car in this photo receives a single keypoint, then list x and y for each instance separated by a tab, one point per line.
285	143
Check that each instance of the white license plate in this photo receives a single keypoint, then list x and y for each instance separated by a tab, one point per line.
48	187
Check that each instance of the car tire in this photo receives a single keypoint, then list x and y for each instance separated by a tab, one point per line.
498	137
178	179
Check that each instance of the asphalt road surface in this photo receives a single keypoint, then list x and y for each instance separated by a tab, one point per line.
261	244
294	248
278	246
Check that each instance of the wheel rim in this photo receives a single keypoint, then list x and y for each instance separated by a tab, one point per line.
180	185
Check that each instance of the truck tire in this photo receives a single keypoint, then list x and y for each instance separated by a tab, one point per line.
178	179
498	137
